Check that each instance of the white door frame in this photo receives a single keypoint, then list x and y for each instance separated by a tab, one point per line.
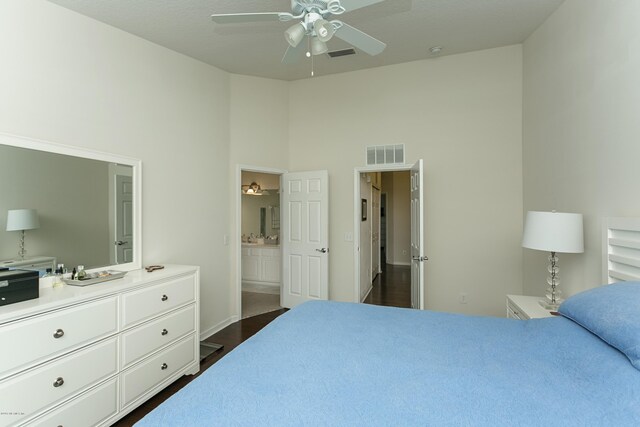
356	220
238	233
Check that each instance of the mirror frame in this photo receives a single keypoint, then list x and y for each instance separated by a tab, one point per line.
56	148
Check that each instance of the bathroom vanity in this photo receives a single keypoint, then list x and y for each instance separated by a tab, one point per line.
261	264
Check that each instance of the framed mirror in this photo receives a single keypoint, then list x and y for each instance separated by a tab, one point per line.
87	203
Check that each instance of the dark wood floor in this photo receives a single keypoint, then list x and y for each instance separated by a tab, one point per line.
392	287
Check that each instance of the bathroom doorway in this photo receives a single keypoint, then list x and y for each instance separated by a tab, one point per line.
260	251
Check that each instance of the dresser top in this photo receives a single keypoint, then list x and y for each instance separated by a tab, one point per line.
530	305
53	298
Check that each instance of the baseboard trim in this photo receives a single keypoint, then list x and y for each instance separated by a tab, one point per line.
217	328
261	287
367	294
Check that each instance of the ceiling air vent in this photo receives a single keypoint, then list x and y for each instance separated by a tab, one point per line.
343	52
385	154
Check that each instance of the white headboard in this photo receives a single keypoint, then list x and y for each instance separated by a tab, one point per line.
621	249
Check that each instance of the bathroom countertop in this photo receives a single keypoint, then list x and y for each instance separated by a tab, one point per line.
261	245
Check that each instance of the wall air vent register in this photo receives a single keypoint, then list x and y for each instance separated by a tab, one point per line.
385	154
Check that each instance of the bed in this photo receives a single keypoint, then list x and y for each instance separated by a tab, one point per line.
336	364
329	363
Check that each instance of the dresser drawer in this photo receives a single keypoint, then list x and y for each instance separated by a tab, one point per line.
144	377
141	305
90	409
147	338
50	384
43	337
513	313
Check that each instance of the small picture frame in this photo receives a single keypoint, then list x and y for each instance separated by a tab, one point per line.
363	208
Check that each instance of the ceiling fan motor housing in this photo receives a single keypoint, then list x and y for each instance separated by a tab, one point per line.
300	6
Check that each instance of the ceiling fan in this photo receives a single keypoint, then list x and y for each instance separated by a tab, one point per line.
315	22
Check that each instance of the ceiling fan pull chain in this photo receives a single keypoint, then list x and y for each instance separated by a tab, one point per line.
309	54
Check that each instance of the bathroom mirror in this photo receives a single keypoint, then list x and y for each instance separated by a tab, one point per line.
88	204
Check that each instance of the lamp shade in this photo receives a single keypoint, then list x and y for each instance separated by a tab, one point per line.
553	232
318	47
295	33
22	219
324	30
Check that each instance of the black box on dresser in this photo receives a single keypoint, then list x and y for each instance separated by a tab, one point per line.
18	285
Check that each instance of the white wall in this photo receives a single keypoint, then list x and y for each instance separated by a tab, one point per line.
401	207
73	80
462	115
581	127
259	137
69	79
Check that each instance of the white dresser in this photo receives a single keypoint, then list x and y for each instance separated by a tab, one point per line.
85	356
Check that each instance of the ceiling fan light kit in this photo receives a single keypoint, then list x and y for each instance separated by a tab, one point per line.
295	34
314	23
318	47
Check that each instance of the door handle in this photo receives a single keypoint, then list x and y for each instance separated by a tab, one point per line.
323	250
420	258
120	243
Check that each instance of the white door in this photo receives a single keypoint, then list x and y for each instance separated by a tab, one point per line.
305	237
417	238
124	219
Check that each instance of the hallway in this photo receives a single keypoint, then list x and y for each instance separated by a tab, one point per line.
392	287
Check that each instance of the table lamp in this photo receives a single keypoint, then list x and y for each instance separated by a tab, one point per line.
553	232
21	220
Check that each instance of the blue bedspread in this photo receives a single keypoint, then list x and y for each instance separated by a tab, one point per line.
340	364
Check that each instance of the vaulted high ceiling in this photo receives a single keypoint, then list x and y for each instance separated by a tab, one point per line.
410	29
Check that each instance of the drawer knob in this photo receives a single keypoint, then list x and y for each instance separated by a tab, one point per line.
164	298
58	382
164	366
59	333
165	332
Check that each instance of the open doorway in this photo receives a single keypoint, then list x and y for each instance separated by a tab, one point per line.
388	236
260	250
385	239
297	260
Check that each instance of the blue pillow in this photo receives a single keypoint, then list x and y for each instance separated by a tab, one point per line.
612	312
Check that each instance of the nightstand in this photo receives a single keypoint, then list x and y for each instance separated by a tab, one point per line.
525	307
36	263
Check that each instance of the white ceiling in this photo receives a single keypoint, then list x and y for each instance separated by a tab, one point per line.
409	27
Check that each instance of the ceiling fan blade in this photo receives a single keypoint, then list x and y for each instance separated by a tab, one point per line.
350	5
236	18
293	54
360	40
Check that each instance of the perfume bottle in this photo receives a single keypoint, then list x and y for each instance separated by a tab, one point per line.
57	282
81	275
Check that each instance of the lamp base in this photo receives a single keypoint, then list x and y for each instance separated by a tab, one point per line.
548	305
